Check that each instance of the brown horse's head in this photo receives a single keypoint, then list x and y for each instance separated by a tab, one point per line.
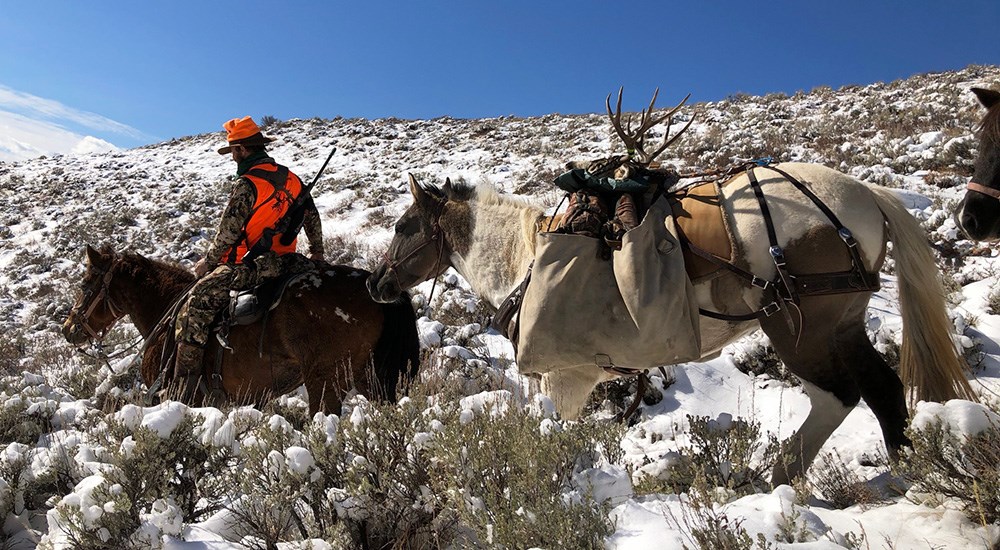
94	311
979	212
419	249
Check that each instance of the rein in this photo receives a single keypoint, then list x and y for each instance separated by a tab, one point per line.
980	188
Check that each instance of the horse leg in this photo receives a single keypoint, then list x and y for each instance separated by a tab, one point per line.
327	385
832	392
569	389
880	387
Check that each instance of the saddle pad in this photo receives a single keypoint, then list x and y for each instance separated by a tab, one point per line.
701	221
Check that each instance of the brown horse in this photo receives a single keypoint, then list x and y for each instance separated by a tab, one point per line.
326	333
979	212
490	240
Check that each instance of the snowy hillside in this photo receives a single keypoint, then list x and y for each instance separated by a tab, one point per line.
66	418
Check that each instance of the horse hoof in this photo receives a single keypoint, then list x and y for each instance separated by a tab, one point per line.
652	396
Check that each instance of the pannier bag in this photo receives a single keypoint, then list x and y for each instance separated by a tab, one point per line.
637	311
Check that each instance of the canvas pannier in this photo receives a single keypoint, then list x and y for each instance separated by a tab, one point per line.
636	311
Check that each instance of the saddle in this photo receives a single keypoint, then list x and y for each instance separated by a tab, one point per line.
700	220
249	306
707	242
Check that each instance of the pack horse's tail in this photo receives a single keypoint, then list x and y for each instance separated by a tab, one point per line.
928	359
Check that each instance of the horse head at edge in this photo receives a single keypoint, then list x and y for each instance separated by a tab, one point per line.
978	214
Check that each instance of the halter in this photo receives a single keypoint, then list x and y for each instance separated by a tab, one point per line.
436	236
93	299
980	188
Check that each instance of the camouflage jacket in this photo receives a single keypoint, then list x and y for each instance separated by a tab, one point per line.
237	213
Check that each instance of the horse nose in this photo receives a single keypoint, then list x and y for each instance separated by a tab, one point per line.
969	224
383	286
372	281
71	331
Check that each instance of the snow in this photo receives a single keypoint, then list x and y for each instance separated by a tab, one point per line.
49	209
164	418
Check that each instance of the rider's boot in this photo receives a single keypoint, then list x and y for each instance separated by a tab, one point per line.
188	370
625	212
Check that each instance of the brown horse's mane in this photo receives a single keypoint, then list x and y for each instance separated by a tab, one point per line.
163	277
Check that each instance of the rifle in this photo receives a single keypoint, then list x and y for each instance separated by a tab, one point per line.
290	223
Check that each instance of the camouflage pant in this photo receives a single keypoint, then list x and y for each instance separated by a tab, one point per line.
211	293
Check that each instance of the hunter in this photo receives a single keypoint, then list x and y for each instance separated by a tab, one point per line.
260	198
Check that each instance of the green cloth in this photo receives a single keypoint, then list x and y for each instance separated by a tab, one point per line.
578	179
253	160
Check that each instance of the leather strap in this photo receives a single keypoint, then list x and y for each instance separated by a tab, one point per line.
783	285
980	188
786	287
845	234
505	319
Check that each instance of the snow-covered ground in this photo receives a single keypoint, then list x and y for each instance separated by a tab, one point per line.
163	200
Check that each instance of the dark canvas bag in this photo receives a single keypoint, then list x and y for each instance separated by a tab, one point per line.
637	311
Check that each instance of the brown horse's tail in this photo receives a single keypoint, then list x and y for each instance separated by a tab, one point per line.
397	353
928	360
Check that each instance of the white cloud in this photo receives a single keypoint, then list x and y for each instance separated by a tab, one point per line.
35	107
22	138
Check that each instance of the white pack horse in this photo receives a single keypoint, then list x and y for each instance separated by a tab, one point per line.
489	239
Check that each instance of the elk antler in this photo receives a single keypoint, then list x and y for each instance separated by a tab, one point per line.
634	140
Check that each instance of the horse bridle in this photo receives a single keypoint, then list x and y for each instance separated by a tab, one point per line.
980	188
92	299
437	235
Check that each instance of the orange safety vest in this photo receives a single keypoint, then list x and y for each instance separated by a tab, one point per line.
273	200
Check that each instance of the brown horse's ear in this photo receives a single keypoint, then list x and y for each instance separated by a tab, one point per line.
988	98
447	189
93	255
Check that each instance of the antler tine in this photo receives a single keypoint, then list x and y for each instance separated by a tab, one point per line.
616	120
634	140
647	115
647	158
679	105
668	142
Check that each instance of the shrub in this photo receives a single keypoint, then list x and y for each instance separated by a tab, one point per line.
153	482
507	474
727	453
964	468
12	352
842	487
755	356
711	528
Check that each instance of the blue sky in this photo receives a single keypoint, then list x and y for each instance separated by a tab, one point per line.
139	72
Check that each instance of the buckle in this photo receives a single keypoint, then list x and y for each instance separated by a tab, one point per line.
771	309
847	237
778	255
760	283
